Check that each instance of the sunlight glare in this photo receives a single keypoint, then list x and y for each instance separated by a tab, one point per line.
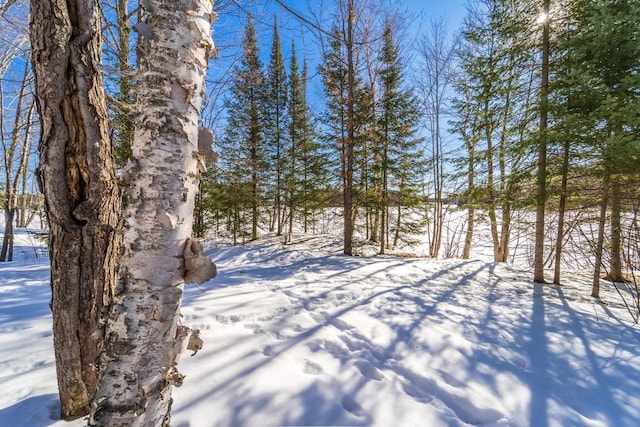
542	18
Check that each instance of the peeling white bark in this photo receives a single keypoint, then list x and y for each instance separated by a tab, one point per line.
143	338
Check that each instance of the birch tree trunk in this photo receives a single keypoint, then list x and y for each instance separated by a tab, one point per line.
77	178
144	339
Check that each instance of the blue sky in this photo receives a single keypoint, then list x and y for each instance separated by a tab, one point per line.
452	11
229	30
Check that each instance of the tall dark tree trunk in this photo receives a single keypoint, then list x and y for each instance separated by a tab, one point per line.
76	175
541	180
351	139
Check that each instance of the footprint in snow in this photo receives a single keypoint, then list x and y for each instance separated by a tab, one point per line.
276	335
369	371
312	368
352	406
417	394
267	351
222	319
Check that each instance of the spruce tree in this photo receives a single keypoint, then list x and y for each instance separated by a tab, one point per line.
313	185
341	87
243	142
296	132
275	117
400	155
334	77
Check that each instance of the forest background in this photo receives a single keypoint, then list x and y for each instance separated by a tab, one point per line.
435	119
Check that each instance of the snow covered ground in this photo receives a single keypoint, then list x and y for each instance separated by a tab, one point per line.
302	335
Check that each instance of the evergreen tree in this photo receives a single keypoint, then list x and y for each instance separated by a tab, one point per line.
348	116
496	63
400	157
334	78
341	88
598	90
275	117
313	175
296	132
244	159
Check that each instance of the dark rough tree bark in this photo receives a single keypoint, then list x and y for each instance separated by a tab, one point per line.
77	178
143	335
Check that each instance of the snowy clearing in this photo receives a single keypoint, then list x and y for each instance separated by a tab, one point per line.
303	335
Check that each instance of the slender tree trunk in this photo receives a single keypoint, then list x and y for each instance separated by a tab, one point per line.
505	232
351	140
384	210
18	200
25	198
7	241
541	190
21	178
375	223
438	218
277	201
76	175
595	291
396	237
255	190
292	184
144	339
493	220
466	252
561	212
615	270
495	238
